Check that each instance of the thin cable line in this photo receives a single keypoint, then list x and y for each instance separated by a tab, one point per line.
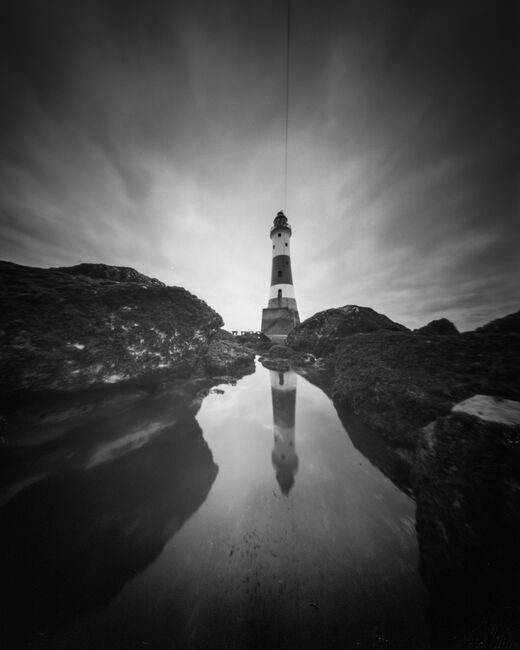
287	59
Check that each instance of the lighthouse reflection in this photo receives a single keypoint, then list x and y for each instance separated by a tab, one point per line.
284	458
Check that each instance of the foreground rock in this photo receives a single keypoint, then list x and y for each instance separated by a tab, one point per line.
467	488
398	382
92	324
323	332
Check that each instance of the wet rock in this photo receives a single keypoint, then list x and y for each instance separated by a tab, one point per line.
509	323
467	487
279	357
490	409
224	335
255	341
280	352
398	382
322	333
306	359
281	365
225	356
69	329
440	327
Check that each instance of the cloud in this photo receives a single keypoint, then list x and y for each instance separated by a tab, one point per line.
154	137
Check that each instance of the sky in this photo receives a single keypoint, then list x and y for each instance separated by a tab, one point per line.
152	135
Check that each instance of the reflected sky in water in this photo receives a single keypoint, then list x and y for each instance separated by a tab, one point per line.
301	542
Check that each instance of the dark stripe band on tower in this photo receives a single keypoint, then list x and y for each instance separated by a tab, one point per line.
281	271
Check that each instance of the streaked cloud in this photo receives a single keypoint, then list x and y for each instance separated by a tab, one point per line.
152	136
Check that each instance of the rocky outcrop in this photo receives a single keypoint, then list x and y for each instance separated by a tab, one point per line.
224	335
277	351
467	488
114	273
277	358
320	334
282	358
440	327
398	382
255	341
225	356
509	323
280	365
93	324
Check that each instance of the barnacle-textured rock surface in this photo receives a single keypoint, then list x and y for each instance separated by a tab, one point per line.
467	488
398	382
91	324
321	334
226	356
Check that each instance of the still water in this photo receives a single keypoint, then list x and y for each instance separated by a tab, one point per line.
254	524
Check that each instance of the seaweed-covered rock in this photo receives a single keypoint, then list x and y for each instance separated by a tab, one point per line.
440	327
255	340
224	335
398	382
107	272
467	487
66	329
509	323
280	352
280	365
321	334
225	357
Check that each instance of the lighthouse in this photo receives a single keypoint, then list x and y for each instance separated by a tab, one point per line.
281	315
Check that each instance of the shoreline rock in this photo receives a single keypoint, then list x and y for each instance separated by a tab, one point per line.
387	384
466	482
322	333
92	325
399	382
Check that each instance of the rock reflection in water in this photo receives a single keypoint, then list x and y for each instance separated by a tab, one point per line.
71	541
285	460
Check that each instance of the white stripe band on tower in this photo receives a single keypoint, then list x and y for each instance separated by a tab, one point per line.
286	289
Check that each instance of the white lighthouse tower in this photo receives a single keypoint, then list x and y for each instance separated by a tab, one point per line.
281	315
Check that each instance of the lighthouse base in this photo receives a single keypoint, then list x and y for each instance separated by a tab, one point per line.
279	321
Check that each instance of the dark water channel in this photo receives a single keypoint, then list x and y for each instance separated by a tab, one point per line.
255	523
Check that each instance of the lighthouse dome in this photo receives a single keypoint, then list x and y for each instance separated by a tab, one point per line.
280	221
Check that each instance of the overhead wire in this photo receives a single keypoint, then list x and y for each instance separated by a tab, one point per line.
287	62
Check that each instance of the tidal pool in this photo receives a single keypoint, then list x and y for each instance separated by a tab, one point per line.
256	524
